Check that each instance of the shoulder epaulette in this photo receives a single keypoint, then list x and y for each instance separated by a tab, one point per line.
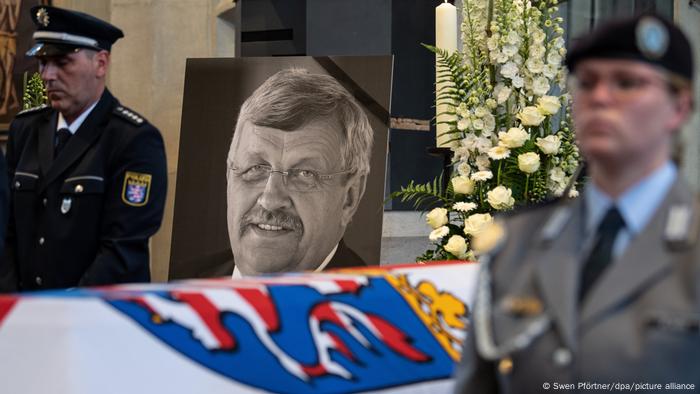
32	110
129	115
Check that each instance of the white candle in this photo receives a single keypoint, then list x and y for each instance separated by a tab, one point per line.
445	38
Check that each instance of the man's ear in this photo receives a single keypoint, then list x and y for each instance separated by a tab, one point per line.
101	60
351	200
683	103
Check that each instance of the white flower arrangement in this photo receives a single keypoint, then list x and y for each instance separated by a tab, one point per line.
510	132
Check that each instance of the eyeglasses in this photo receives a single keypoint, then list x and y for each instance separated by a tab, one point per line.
297	179
620	87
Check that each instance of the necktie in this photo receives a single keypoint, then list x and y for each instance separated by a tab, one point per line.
62	137
601	253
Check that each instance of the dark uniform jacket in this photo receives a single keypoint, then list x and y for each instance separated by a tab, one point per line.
85	217
640	322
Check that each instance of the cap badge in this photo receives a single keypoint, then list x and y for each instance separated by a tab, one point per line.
652	38
42	16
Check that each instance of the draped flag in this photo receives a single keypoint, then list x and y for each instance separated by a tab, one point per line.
397	329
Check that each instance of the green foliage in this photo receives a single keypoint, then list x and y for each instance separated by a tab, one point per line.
34	91
426	195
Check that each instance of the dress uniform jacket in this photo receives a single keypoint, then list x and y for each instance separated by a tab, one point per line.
83	218
640	322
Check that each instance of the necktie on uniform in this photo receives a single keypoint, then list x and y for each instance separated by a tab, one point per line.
62	137
601	254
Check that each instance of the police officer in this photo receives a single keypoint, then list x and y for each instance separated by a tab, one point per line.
606	290
87	174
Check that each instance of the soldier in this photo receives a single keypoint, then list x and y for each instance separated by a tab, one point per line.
607	289
87	175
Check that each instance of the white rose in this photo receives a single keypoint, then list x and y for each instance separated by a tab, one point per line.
437	217
464	206
530	116
457	245
482	175
438	233
491	103
499	152
500	197
475	223
478	124
548	105
514	138
462	185
529	162
549	145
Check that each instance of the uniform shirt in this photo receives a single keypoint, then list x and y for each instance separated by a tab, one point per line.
73	127
637	205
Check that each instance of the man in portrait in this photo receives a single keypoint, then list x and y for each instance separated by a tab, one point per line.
296	171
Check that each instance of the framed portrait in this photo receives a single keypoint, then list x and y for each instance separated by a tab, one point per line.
16	29
214	91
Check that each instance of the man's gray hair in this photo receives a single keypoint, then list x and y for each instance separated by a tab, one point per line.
292	98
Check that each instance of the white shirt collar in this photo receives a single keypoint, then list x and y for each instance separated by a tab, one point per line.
237	274
73	127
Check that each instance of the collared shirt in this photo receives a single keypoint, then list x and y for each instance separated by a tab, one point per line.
237	274
73	127
636	205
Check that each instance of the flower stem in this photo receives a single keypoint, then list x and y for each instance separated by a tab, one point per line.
498	173
527	184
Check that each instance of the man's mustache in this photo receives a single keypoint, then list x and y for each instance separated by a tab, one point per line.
259	215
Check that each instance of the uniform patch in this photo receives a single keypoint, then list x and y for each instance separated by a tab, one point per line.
136	188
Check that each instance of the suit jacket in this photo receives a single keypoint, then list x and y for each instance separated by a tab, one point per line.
640	322
84	217
345	257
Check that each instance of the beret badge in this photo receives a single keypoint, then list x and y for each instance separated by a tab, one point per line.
42	16
652	38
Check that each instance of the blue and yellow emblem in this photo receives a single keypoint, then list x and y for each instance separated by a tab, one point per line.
136	188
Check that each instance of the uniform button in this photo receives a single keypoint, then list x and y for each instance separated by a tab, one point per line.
45	201
562	357
38	280
17	185
79	188
41	241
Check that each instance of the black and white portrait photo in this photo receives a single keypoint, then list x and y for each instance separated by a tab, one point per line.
282	165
